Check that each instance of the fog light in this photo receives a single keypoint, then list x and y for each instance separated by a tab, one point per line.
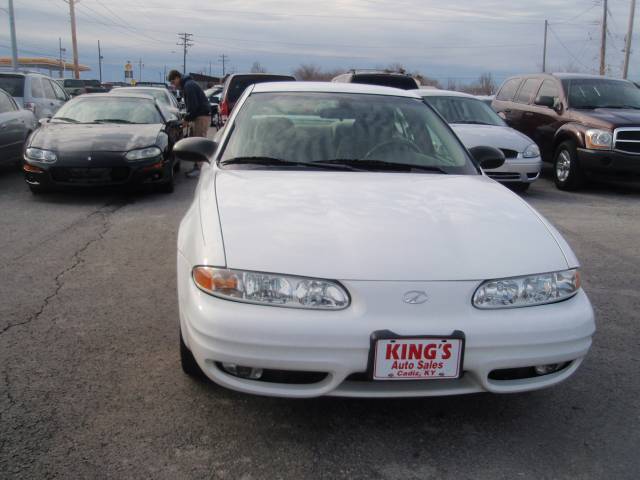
547	369
242	372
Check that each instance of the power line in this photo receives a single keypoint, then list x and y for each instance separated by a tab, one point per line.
567	49
185	42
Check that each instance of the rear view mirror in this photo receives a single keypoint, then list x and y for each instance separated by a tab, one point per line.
488	157
195	149
544	101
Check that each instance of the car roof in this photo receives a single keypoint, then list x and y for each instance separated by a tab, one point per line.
442	93
116	94
132	89
332	87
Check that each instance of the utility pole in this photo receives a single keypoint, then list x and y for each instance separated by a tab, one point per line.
603	42
14	43
100	57
61	51
224	58
185	42
627	46
544	48
164	76
74	41
140	66
209	67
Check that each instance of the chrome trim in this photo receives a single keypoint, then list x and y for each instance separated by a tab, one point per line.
615	139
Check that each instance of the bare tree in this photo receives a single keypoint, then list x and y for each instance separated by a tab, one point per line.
485	85
314	72
257	68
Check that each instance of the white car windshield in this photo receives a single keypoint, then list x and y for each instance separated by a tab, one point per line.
366	132
464	110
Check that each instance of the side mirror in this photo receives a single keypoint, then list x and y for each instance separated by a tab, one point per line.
488	157
195	149
545	101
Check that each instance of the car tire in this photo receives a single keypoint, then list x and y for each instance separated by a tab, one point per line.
37	189
169	185
176	167
188	362
567	173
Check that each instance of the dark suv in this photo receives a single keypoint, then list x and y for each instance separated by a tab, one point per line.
376	77
584	124
236	84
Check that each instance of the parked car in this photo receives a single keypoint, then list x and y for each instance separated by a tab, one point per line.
214	103
104	139
162	95
476	123
488	99
238	82
585	125
75	87
343	241
34	91
379	77
16	124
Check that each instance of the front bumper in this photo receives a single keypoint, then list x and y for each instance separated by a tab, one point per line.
609	163
97	172
338	343
518	170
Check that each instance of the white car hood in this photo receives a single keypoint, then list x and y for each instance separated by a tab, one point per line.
491	136
379	226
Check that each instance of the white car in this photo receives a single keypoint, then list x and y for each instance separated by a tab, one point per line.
477	124
343	242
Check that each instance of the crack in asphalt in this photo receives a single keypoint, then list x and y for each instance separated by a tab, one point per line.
105	211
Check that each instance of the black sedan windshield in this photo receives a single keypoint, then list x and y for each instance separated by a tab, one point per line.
160	95
365	132
109	109
601	93
464	110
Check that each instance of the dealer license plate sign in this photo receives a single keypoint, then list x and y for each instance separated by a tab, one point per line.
417	358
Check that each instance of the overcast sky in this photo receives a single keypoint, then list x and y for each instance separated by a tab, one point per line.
456	39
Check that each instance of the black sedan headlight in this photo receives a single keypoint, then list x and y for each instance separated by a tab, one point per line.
40	155
142	154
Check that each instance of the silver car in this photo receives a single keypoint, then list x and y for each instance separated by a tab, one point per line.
34	91
476	124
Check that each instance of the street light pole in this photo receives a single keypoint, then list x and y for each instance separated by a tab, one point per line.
627	47
14	44
100	57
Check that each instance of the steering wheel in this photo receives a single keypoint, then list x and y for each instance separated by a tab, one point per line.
394	141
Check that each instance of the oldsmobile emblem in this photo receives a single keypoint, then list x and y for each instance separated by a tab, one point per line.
415	297
89	158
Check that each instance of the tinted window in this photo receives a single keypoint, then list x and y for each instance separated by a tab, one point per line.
13	85
6	104
464	110
395	81
550	89
601	93
72	83
526	91
303	126
36	87
239	84
107	109
508	90
47	88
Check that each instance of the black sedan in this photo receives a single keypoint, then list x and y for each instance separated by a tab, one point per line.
104	139
15	126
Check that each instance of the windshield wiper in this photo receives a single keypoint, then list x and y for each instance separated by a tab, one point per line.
471	122
384	165
111	120
65	119
272	161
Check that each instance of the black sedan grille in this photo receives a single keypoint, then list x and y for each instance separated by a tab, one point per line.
90	175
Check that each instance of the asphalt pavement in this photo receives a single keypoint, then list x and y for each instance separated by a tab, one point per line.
91	385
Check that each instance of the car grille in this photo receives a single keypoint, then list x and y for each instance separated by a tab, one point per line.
627	140
509	153
502	175
90	175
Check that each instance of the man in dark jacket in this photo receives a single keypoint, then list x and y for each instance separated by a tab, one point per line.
198	109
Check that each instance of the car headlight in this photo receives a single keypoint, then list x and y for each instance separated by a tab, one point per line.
527	291
40	155
143	154
271	289
598	139
531	151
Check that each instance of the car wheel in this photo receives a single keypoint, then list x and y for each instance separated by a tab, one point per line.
189	364
37	189
519	187
176	167
169	185
566	170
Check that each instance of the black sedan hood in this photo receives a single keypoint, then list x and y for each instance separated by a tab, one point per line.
69	137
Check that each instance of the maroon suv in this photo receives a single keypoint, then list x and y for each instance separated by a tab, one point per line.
585	125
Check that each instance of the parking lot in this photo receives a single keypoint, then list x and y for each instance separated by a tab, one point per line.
92	386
